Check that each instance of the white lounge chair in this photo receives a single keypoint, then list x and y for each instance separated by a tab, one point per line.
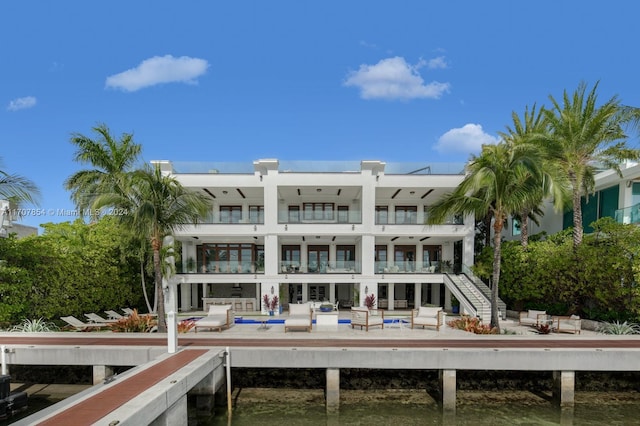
83	326
427	316
300	316
113	315
219	316
95	318
363	317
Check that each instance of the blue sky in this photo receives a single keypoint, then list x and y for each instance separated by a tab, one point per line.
237	81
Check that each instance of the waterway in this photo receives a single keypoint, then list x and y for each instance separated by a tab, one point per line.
413	407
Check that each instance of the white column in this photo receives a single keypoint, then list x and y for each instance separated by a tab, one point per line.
447	299
435	294
417	299
185	297
332	292
391	295
367	255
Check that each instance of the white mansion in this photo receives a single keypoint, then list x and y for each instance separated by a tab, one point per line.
322	231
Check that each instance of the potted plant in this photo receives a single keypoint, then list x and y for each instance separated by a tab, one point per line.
270	304
191	265
370	301
455	305
326	307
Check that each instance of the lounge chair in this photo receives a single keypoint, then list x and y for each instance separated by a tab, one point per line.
567	324
427	316
83	326
95	318
130	312
219	316
363	317
113	315
300	316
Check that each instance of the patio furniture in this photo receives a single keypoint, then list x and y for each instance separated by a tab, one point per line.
567	324
82	326
427	316
93	317
533	318
300	316
363	317
219	316
113	315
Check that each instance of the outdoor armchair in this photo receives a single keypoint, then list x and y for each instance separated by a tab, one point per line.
363	317
300	316
567	324
427	316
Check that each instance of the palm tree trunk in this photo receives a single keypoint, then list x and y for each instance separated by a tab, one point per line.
497	256
144	287
577	212
162	324
524	228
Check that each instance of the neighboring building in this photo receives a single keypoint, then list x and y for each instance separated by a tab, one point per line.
8	227
616	197
313	231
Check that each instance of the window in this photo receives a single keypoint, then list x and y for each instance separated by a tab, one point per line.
230	214
226	258
318	211
404	258
294	214
345	257
290	259
381	258
256	214
343	214
318	259
382	215
515	227
406	215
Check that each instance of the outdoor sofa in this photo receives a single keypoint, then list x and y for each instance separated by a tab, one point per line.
427	316
219	316
364	317
533	318
300	316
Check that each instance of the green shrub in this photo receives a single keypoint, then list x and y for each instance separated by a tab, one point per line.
34	326
618	328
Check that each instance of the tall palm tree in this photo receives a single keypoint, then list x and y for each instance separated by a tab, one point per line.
157	206
111	160
529	130
17	189
501	180
582	135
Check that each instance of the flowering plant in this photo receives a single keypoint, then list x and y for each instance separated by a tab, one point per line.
270	304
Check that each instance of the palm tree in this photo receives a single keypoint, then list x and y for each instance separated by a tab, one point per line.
500	181
157	206
529	130
112	159
17	189
583	135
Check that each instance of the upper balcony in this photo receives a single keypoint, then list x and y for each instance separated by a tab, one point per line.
320	204
628	215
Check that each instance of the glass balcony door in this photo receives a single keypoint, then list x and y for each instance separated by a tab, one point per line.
318	259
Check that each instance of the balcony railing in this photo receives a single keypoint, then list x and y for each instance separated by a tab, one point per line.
628	215
346	267
410	267
350	217
231	267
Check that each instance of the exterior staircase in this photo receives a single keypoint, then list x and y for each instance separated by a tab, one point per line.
472	300
485	290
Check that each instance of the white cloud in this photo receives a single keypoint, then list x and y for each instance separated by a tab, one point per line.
22	103
437	63
394	78
158	70
466	139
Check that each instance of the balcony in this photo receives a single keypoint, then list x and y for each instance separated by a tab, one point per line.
628	215
327	217
410	267
346	267
231	267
